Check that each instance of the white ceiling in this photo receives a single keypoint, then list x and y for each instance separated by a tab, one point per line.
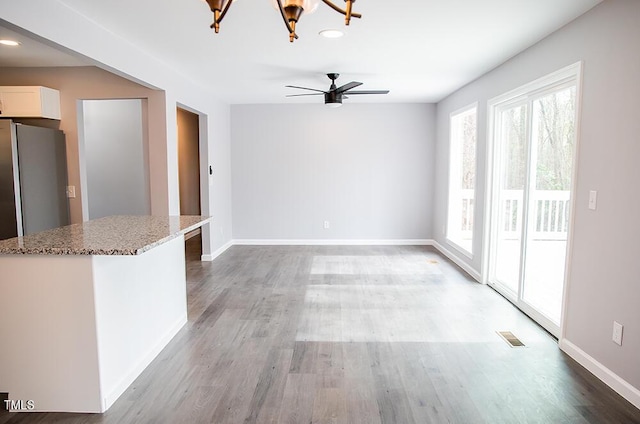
32	53
421	50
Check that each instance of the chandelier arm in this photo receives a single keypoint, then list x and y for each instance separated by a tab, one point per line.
224	12
286	22
337	9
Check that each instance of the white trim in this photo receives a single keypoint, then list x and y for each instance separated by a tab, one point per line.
455	246
611	379
135	372
332	242
464	109
574	204
487	221
458	261
542	83
218	252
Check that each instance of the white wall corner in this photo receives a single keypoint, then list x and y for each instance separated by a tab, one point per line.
218	252
456	259
611	379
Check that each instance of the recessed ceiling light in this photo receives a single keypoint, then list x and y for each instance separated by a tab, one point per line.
331	33
7	42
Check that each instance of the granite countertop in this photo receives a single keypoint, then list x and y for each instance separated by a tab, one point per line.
112	235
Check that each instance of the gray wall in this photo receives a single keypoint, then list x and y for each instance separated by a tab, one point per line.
115	157
603	284
367	169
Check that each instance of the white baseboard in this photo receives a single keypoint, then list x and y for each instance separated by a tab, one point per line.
611	379
458	261
218	252
332	242
116	392
309	242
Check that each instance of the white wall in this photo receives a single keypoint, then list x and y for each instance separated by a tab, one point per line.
367	169
115	158
62	26
603	284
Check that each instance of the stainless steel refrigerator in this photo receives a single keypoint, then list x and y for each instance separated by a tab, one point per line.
33	179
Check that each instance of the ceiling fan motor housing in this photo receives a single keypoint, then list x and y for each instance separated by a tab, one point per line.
332	97
335	95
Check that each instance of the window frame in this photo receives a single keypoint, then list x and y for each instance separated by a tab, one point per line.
454	172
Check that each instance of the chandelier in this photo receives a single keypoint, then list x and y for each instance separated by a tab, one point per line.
291	11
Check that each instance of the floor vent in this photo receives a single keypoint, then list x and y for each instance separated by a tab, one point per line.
510	338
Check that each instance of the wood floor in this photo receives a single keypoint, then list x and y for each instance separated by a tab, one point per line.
352	335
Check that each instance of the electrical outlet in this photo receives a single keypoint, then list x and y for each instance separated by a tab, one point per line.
326	225
617	333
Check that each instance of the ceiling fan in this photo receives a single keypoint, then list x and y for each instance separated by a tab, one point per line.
335	95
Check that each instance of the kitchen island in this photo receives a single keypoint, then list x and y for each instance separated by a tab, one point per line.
85	308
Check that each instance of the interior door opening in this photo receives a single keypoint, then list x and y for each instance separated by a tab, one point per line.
115	177
189	164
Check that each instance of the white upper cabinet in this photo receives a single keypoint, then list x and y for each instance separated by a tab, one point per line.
29	102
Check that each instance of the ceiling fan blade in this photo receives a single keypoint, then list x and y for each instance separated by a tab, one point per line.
304	88
369	92
348	86
300	95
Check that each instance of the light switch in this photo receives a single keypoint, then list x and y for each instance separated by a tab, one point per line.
71	192
593	200
617	333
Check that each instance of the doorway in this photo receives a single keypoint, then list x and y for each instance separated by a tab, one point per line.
189	164
534	141
114	140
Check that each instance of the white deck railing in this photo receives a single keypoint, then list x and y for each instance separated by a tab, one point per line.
551	214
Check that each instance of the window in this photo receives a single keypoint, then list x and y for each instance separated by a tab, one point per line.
462	177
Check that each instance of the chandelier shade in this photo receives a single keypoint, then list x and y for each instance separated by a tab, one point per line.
308	6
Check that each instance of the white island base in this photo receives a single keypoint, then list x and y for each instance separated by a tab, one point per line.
76	330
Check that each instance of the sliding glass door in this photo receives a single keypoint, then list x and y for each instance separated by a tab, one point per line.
511	177
533	150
